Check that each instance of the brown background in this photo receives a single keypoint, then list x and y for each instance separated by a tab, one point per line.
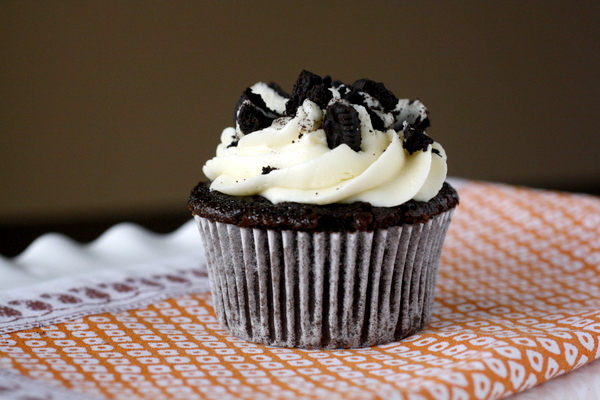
111	108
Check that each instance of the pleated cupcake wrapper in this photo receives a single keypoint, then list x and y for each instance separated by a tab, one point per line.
323	290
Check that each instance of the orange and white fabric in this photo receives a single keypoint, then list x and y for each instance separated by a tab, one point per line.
517	304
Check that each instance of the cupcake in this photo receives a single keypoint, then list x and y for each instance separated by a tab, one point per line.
324	215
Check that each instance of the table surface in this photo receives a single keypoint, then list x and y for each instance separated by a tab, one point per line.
517	313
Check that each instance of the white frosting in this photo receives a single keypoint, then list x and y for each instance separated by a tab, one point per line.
382	173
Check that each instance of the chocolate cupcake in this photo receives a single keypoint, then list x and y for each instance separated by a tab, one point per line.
324	217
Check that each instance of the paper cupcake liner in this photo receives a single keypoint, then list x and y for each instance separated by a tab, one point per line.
323	290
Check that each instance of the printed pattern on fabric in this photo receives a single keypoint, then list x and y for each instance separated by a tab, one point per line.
105	291
517	304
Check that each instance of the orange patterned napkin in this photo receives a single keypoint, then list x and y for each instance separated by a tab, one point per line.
517	303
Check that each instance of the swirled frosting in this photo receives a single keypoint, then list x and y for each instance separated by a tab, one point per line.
328	143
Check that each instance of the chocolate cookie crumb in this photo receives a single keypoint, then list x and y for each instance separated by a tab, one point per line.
415	139
354	97
378	91
305	82
320	94
342	125
252	113
267	169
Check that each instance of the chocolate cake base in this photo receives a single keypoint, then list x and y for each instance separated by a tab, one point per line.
313	288
258	212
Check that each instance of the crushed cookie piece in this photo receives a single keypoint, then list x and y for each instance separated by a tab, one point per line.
355	97
320	95
415	139
378	91
342	125
252	113
267	169
305	82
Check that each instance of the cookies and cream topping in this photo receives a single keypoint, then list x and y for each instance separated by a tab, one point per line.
328	143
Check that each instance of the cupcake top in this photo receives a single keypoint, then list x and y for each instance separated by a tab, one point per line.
328	143
258	212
